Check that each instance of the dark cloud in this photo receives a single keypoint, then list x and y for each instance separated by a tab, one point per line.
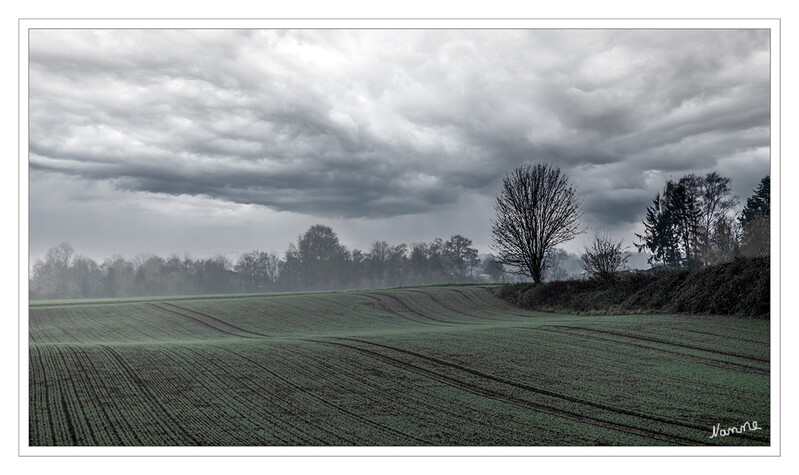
380	123
614	208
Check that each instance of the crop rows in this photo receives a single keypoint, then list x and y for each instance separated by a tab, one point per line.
426	366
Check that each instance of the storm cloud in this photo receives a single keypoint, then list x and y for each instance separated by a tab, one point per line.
377	124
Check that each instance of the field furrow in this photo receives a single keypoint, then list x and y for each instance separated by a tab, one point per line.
314	399
168	421
254	412
542	391
412	366
215	328
435	305
513	400
242	331
382	305
704	359
42	428
408	399
668	343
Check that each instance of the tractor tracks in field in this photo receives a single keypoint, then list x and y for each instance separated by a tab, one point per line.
501	396
234	403
185	313
727	337
441	304
666	342
510	308
405	307
580	331
471	300
349	373
323	401
384	307
702	359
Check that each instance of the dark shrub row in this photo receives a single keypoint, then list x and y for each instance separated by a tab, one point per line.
740	287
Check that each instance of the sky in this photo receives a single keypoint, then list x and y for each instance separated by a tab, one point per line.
222	141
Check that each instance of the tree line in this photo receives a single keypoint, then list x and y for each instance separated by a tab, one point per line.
316	261
691	224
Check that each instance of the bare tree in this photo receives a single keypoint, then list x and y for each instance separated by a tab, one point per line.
715	203
536	210
379	255
258	270
604	257
493	268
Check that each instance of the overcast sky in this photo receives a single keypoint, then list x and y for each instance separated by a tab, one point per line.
219	142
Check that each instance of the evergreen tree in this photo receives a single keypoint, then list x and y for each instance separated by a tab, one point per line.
759	204
684	214
659	237
755	222
688	225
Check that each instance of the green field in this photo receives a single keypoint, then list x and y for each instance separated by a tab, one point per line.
428	366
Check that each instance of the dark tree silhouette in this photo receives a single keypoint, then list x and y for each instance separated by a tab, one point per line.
321	258
659	237
536	210
758	205
755	221
685	216
604	257
460	257
715	204
688	225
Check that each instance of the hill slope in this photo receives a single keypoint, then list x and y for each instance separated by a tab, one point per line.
741	288
425	366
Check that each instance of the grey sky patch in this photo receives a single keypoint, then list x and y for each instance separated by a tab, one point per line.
617	207
370	126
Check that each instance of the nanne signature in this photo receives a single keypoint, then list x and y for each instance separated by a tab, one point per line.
746	426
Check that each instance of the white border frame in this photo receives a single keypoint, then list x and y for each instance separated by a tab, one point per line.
293	23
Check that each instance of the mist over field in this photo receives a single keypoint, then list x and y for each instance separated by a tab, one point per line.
65	273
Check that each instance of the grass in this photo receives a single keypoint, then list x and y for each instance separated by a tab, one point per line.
171	298
413	366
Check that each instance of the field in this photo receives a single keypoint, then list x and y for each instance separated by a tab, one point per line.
426	366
